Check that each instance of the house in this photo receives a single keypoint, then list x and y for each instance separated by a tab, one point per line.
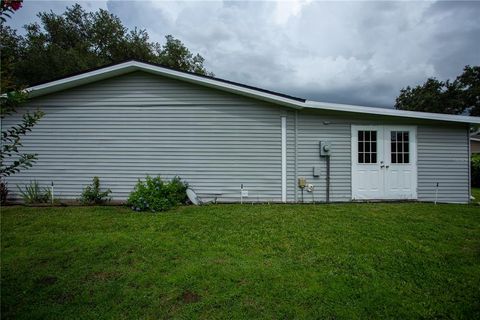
475	143
125	121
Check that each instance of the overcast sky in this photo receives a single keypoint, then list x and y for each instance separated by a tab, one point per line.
345	52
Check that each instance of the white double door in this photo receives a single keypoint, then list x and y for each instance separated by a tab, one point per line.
384	162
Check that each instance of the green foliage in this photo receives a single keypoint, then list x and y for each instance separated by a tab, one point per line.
469	83
33	193
175	55
78	40
93	195
10	49
154	194
461	95
12	160
475	171
3	192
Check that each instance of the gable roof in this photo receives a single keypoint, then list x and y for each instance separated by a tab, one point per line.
232	87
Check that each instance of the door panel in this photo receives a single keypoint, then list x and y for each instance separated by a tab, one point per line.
384	162
400	169
367	178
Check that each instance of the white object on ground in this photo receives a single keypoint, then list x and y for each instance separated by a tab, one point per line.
192	196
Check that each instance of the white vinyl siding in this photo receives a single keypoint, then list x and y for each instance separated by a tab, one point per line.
124	128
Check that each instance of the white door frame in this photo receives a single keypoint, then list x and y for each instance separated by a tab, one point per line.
383	163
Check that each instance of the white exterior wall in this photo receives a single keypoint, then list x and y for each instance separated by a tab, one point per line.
124	128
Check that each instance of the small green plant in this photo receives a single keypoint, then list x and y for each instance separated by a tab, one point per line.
475	170
92	195
3	192
155	194
33	193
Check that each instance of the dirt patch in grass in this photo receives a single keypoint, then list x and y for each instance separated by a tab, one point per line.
47	280
64	298
102	276
190	297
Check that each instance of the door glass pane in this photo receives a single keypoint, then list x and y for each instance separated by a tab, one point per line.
367	146
399	136
400	149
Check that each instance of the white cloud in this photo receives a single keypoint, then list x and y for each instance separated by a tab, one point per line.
284	10
351	52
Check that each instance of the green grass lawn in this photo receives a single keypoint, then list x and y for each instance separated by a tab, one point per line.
338	261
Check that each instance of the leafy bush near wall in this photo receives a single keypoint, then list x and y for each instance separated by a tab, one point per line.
92	195
475	170
155	194
3	192
33	193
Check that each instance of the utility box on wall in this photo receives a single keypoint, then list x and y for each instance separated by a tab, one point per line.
325	148
316	171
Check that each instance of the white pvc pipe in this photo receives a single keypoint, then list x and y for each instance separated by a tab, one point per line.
284	159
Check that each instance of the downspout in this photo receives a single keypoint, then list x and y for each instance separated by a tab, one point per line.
296	161
469	166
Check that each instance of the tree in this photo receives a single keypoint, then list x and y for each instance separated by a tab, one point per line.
175	55
469	84
12	160
78	40
461	95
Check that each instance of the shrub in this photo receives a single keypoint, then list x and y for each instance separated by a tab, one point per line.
475	170
154	194
3	192
92	195
34	194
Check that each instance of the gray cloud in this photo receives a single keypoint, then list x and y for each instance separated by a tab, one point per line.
345	52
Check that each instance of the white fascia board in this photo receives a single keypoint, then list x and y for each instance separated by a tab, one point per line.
391	112
80	79
130	66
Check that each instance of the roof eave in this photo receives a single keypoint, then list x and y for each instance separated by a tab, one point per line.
131	66
81	79
393	112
